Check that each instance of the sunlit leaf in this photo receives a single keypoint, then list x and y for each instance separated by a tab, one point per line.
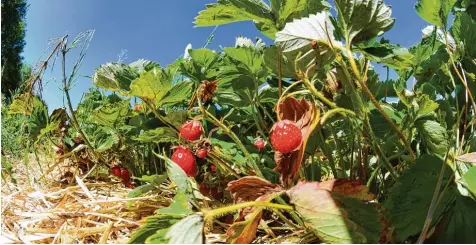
434	12
229	11
109	114
179	206
334	218
151	85
364	19
180	92
188	230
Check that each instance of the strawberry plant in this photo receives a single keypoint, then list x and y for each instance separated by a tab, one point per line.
353	159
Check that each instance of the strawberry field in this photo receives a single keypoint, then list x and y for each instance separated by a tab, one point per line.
300	141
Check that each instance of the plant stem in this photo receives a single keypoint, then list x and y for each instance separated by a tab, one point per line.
70	107
233	136
369	94
433	205
213	213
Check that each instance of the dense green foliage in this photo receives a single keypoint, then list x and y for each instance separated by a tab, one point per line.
13	42
371	169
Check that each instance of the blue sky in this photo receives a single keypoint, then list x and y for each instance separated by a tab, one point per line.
149	29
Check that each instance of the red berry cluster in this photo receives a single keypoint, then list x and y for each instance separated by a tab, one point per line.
124	174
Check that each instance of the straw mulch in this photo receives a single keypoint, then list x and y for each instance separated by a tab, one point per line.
56	209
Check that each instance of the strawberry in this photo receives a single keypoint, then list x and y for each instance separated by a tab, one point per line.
191	130
137	107
186	160
130	185
259	143
202	153
116	171
286	136
213	168
125	175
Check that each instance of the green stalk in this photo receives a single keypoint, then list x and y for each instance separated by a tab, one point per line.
220	211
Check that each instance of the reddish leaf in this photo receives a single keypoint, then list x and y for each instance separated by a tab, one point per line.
246	189
336	218
244	232
306	117
350	188
251	188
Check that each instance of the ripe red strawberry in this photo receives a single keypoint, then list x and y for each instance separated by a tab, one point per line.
202	153
116	171
259	143
186	160
213	168
125	175
137	107
285	136
191	130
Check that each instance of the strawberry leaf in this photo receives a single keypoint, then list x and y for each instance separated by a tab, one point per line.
179	206
152	85
434	12
154	229
433	136
409	201
229	11
109	114
187	231
179	93
300	33
362	20
464	32
157	135
244	232
335	218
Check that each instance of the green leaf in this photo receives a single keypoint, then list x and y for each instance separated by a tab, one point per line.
229	11
115	77
335	218
179	206
157	135
177	118
179	93
459	224
434	12
363	19
152	85
391	55
425	105
187	231
470	180
464	32
434	136
140	190
247	56
295	9
109	114
302	32
177	175
409	200
156	180
24	105
104	139
203	57
154	225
